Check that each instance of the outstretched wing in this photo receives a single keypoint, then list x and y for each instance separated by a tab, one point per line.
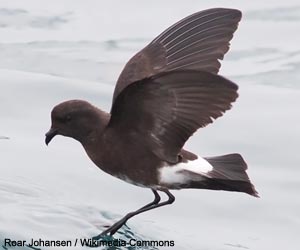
166	109
196	42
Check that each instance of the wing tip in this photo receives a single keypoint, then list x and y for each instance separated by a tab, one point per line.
236	12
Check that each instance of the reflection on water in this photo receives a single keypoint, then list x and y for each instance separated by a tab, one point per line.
56	193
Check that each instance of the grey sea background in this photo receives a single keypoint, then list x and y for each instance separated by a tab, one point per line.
51	51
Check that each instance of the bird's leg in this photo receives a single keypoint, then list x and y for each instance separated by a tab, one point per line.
154	204
155	201
112	229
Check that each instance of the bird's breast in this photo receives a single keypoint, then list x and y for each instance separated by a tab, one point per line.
127	160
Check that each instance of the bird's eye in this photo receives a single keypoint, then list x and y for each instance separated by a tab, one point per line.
68	118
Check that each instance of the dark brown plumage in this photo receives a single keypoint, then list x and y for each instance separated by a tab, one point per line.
164	94
171	107
195	42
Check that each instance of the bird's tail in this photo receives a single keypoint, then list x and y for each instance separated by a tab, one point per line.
228	173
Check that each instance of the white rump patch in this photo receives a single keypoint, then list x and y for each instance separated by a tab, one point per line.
174	174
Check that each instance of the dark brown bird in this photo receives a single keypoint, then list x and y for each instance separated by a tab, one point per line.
164	94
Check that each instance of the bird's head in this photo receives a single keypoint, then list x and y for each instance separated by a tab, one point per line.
76	119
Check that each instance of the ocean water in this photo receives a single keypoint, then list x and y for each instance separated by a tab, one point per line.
65	49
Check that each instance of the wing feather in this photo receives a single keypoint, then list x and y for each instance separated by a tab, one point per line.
196	42
166	109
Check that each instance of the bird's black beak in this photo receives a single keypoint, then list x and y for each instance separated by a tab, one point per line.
50	134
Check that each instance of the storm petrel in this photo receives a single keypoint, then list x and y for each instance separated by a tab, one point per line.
164	94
